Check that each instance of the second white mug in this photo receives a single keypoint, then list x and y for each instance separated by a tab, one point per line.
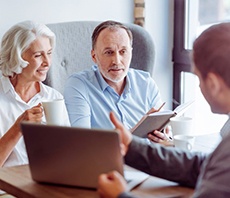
184	142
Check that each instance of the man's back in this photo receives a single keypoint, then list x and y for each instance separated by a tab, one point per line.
214	177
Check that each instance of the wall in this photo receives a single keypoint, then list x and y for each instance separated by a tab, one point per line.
159	20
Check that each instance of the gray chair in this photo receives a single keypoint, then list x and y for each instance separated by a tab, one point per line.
72	53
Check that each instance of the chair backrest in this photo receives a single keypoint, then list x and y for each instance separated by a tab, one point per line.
72	53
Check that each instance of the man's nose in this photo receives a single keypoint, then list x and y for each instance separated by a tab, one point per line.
116	58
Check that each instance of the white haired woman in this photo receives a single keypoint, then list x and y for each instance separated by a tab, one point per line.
25	58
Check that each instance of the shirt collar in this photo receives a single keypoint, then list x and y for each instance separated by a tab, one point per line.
128	85
225	130
103	84
6	84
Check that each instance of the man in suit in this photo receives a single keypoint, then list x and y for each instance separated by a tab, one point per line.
208	174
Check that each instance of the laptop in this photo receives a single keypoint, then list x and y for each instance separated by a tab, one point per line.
74	156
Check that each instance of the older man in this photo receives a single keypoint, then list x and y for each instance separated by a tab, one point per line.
111	85
210	175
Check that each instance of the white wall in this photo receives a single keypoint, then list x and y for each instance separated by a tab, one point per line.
159	23
159	20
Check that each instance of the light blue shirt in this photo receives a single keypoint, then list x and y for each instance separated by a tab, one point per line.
89	99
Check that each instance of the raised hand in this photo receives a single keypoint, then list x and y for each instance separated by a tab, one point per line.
125	135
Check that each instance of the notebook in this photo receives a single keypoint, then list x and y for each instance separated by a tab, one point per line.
158	120
73	156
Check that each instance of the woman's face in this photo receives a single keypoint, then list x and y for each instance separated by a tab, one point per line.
39	56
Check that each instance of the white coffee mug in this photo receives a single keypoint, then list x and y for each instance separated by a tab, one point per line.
181	125
53	111
184	142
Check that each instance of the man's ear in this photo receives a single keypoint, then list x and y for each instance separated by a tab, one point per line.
93	55
214	83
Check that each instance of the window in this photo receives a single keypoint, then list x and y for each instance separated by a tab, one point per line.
201	14
191	17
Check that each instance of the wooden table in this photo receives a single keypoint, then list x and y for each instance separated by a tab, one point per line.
17	181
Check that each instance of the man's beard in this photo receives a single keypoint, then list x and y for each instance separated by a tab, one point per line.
114	79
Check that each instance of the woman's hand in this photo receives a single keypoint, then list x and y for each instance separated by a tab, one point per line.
11	137
34	115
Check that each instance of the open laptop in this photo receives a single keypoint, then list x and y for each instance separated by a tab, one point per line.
74	156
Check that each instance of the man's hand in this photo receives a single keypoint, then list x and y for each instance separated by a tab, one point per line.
110	185
161	137
125	135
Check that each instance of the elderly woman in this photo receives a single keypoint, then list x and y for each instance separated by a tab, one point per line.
25	58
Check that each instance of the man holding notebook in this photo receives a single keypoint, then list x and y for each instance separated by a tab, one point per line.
209	175
111	85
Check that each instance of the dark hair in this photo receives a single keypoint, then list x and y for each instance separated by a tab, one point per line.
211	51
111	25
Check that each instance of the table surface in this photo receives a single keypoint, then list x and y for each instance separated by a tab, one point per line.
17	181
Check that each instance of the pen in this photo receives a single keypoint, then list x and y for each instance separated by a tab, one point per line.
152	110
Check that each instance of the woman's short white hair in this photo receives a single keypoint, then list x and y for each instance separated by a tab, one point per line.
16	41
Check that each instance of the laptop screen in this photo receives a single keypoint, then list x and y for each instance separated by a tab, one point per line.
69	155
